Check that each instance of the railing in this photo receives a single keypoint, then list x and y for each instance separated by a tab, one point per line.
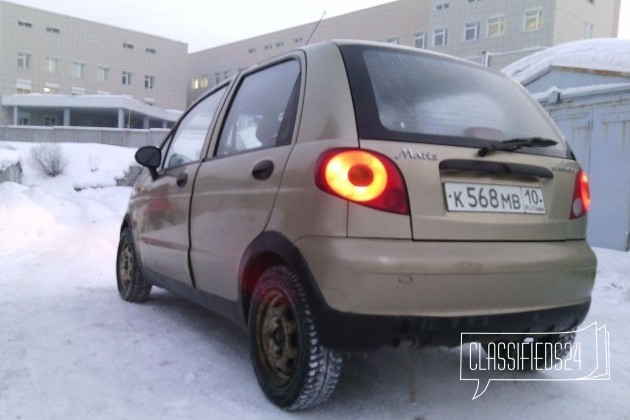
59	134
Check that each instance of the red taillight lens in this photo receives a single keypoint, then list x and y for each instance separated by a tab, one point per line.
364	177
581	196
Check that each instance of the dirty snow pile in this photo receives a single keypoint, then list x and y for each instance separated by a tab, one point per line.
70	348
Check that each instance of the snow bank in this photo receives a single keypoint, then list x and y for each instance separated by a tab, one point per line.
70	348
609	54
8	158
89	165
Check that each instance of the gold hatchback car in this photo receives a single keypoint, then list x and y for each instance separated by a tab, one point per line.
350	195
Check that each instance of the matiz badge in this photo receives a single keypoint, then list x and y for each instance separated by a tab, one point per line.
408	154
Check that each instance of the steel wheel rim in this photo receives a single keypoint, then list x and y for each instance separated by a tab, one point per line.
276	332
126	265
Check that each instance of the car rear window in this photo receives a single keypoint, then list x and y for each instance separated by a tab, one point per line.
403	95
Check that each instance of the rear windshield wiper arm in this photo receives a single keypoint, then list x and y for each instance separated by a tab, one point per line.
515	144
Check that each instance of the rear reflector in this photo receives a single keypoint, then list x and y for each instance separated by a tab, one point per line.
581	196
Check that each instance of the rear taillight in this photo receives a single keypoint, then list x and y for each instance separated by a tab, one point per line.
364	177
581	196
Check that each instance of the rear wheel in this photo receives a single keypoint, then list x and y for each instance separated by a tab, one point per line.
293	369
131	285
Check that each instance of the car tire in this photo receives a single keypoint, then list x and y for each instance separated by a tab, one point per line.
295	371
561	344
132	286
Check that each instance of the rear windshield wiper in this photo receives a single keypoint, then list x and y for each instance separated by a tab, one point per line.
515	144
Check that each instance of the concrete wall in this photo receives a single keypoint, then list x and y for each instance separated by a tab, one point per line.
116	137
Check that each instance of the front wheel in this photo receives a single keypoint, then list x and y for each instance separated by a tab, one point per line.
132	287
294	370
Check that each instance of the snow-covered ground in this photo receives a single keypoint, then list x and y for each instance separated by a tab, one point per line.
70	348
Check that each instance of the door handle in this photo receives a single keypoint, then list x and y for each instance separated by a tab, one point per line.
263	170
182	179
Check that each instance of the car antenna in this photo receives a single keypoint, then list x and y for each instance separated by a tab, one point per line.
314	29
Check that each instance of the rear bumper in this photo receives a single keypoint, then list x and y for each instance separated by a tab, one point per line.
373	292
347	332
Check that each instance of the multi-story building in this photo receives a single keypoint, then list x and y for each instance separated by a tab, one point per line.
60	70
491	32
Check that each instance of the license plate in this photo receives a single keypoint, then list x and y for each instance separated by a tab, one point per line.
493	198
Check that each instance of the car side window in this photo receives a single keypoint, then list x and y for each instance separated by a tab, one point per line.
262	113
188	139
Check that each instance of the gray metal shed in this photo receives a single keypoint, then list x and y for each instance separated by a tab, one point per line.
585	87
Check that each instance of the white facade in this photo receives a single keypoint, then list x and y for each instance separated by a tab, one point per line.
46	53
493	32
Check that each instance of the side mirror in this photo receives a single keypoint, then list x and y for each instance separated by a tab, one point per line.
150	157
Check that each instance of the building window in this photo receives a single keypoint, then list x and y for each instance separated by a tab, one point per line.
268	47
279	44
50	120
420	40
533	20
298	40
149	82
25	24
23	86
78	69
589	28
103	74
471	31
474	1
251	50
128	46
200	82
52	65
127	78
217	78
441	6
53	30
440	37
23	60
496	26
591	1
150	50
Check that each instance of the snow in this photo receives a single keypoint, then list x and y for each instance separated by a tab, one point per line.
70	348
607	54
8	157
573	92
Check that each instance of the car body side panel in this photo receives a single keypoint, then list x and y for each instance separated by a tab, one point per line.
161	211
230	208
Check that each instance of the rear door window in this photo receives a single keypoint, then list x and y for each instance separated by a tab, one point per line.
263	111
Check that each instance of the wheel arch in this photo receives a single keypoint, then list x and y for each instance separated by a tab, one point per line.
126	223
267	250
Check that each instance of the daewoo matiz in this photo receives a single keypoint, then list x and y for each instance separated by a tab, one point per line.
350	195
